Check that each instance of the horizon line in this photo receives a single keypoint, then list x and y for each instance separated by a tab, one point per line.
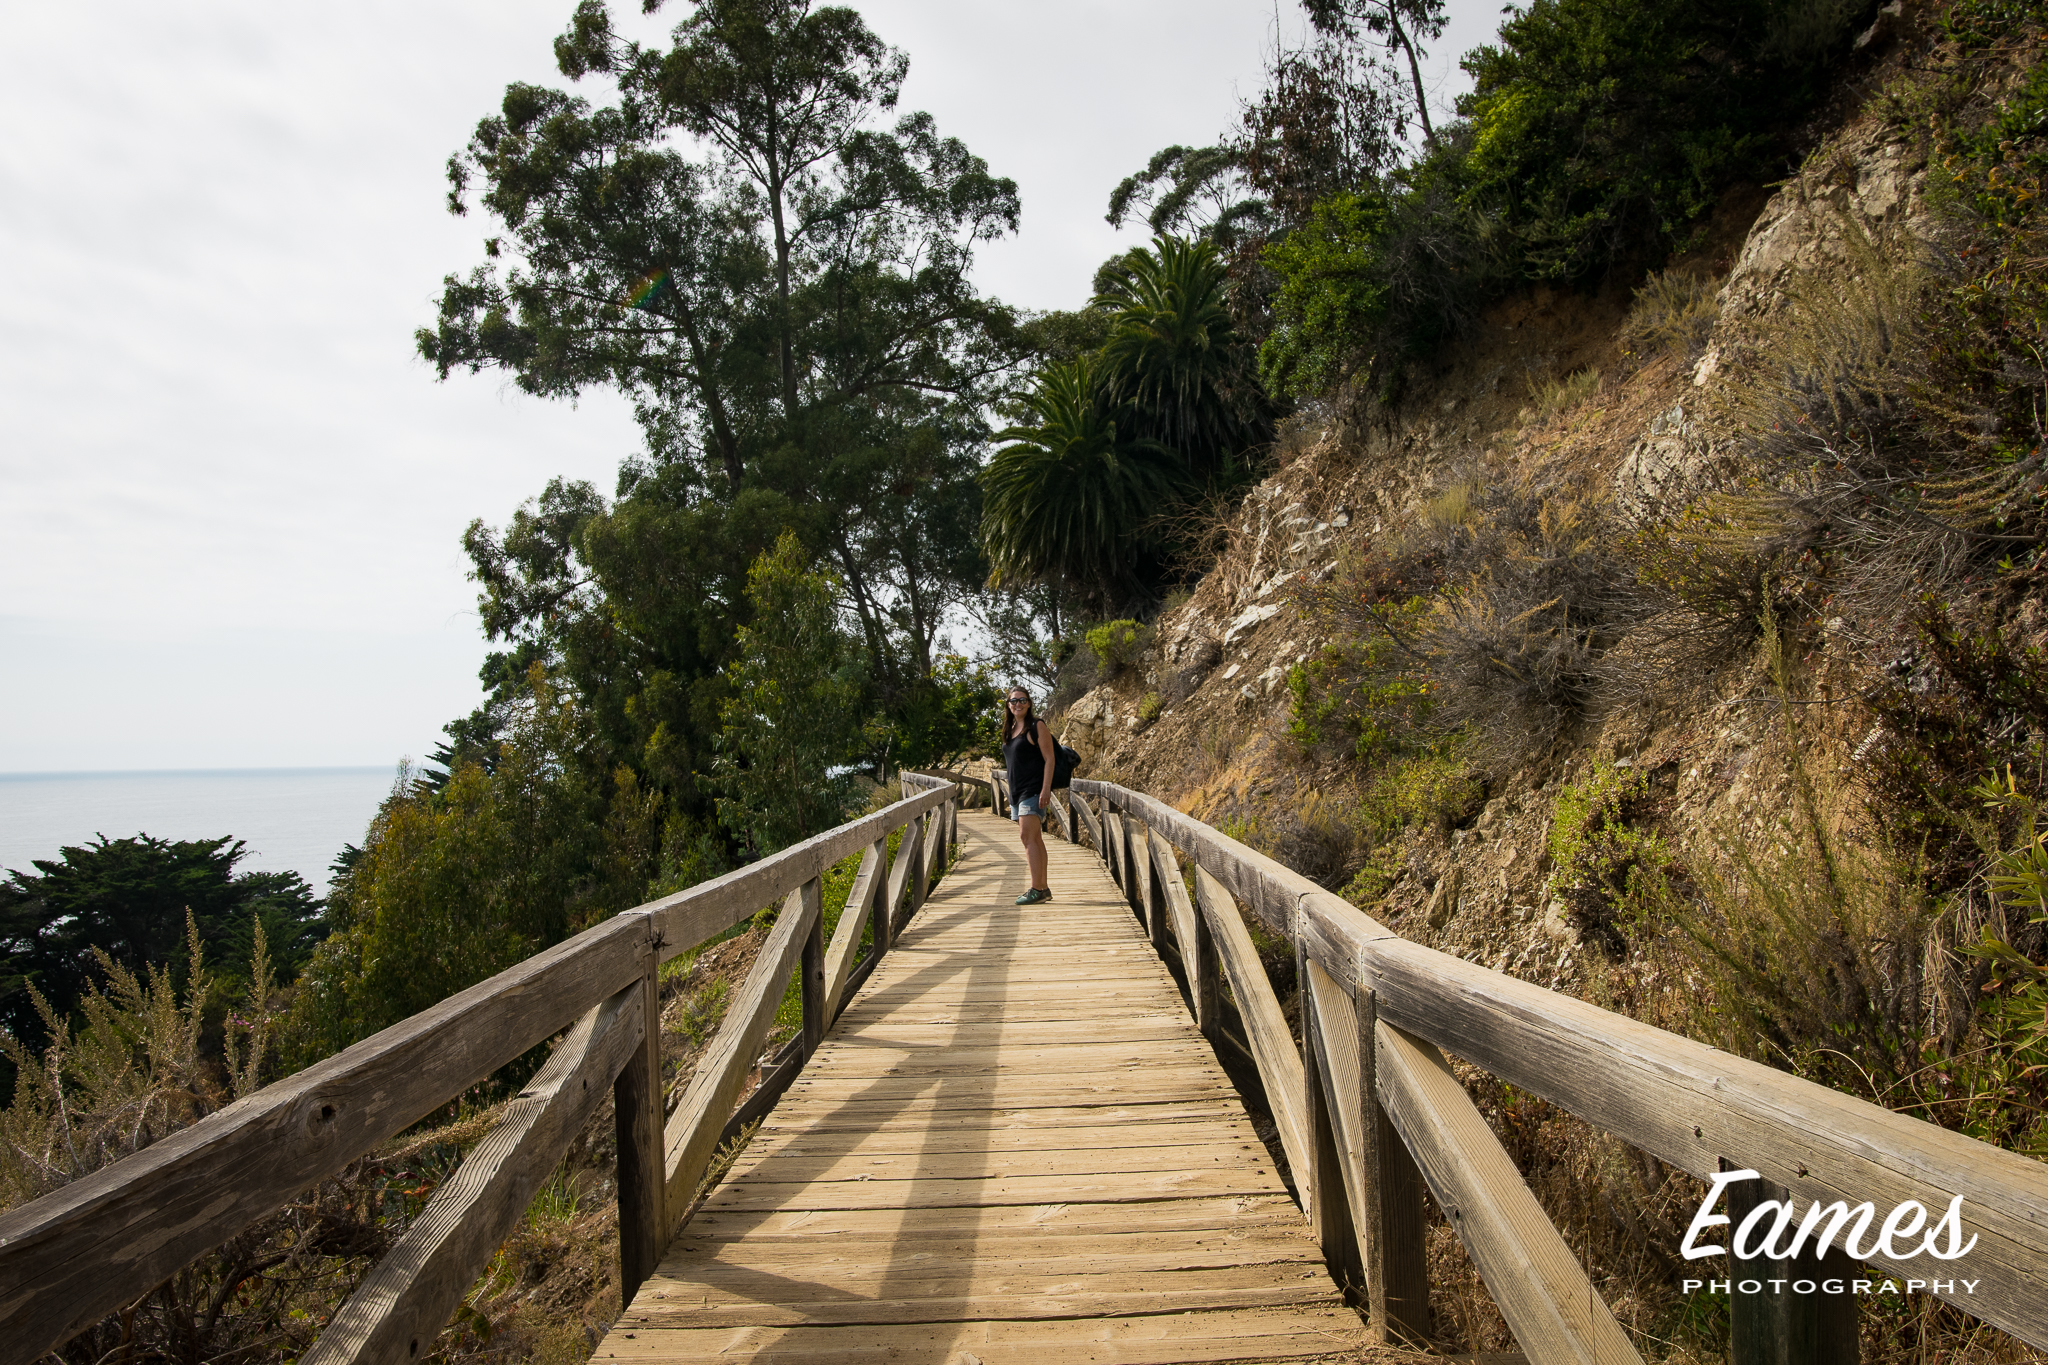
304	768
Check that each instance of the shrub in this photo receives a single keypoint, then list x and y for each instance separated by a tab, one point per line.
1149	707
1362	695
1117	645
1609	872
1548	397
1674	310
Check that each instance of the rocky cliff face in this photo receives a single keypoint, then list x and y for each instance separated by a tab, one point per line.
1202	719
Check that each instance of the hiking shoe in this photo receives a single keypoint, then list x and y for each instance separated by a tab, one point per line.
1034	896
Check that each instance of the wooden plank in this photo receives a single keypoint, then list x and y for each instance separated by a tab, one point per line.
1188	940
102	1241
900	872
867	884
1127	1187
1327	1194
929	1117
401	1305
800	1164
1382	1184
854	1265
1138	864
1692	1105
1088	821
1160	1339
1549	1303
1073	1137
819	1228
638	1109
1272	1045
694	1128
811	968
1012	1297
1113	850
689	917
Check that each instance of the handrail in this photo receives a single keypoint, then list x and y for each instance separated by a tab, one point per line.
1378	1104
100	1242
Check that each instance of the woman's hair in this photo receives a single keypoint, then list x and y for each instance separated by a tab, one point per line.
1012	723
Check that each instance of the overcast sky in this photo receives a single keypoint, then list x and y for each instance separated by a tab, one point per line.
230	497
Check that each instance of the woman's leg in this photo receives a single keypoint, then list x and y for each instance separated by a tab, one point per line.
1034	849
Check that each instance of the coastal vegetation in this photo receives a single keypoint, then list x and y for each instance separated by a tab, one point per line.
850	454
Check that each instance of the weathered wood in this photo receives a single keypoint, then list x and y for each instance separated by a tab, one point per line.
1780	1326
1382	1186
1137	867
82	1251
1181	914
687	918
900	870
811	987
859	909
1265	1026
1691	1105
1086	817
1548	1301
1330	1196
1151	893
638	1109
1113	849
693	1129
398	1309
1270	890
1205	983
921	867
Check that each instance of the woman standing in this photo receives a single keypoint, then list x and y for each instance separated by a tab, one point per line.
1027	763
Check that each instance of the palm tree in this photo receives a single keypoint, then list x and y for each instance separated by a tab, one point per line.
1174	358
1068	501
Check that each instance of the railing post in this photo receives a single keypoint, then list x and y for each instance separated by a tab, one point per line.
1204	979
920	872
1134	871
637	1119
812	967
1329	1209
1396	1237
880	911
1785	1328
1155	898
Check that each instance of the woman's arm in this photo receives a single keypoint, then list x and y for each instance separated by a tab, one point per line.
1045	747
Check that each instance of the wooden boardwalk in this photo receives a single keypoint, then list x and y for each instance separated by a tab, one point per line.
1013	1146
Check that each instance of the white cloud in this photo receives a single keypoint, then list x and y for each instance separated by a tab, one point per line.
230	498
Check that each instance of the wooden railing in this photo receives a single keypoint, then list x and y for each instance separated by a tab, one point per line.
103	1242
1370	1114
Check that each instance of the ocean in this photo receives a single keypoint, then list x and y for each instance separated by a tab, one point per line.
293	819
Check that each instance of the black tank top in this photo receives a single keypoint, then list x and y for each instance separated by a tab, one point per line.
1023	763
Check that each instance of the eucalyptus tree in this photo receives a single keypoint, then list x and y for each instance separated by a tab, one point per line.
737	231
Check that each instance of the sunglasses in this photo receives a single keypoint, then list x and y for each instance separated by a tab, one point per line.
1020	701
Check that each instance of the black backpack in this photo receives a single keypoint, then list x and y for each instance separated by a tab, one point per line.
1064	761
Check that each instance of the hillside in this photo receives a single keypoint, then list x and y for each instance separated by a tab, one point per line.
1654	645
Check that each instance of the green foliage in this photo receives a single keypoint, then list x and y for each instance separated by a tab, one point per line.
1436	787
793	713
1609	871
1067	499
1364	694
452	887
1598	132
1149	707
1173	362
743	236
1332	293
942	718
129	901
1117	645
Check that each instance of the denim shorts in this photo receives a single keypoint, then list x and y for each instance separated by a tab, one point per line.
1026	805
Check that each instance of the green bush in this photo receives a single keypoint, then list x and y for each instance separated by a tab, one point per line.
1609	872
1117	645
